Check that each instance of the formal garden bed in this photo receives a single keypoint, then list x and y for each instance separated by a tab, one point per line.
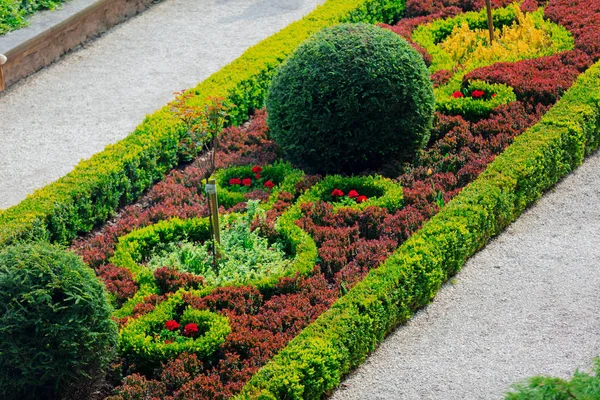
327	245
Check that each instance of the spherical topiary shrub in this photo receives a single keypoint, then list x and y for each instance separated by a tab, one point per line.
349	98
56	334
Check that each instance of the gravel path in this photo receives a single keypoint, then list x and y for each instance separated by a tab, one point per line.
97	95
527	304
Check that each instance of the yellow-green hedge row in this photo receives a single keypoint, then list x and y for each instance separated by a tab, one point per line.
92	192
339	340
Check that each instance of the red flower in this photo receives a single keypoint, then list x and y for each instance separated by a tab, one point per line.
172	325
235	181
494	95
457	95
256	169
337	193
257	176
352	194
269	184
477	94
360	199
190	329
246	181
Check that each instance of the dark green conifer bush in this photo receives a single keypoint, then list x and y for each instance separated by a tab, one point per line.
350	97
56	334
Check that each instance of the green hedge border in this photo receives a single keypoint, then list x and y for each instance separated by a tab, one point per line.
314	362
97	187
382	192
137	343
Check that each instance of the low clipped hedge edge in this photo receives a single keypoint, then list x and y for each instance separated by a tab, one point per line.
314	362
391	194
118	175
136	342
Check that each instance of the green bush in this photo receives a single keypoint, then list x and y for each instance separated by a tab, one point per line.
350	97
143	341
582	387
56	334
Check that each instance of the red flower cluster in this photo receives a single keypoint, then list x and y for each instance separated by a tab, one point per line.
247	182
172	325
190	329
476	94
353	194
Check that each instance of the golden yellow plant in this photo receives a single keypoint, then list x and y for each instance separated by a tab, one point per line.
520	40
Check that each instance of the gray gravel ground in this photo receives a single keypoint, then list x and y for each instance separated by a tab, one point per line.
97	95
527	304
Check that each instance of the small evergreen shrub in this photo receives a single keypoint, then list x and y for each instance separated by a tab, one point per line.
581	386
56	334
350	97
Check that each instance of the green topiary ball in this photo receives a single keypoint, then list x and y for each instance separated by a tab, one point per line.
56	334
349	98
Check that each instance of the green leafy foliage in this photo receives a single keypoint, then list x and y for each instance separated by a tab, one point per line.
13	13
349	97
581	387
245	256
56	334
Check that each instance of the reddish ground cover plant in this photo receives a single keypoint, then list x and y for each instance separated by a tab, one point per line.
350	241
582	19
541	80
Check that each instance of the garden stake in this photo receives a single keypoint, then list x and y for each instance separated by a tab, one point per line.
2	62
213	206
490	21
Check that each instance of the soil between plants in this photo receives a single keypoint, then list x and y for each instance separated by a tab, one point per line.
527	304
97	95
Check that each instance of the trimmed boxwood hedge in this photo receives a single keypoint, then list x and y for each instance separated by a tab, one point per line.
340	339
282	174
92	192
137	344
469	107
382	192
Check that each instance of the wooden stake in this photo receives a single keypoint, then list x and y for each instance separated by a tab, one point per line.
2	62
488	5
211	190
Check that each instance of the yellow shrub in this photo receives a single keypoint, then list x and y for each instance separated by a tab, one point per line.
520	40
